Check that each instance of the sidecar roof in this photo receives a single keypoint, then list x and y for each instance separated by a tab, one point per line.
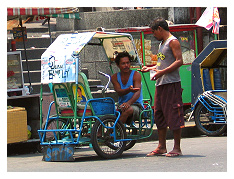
59	60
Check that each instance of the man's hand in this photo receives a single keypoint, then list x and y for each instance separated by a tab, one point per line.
124	106
144	69
158	74
133	89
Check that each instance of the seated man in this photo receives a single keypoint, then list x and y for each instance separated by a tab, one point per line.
127	83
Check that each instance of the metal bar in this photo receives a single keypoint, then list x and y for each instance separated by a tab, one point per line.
49	29
77	78
41	99
195	40
25	54
143	47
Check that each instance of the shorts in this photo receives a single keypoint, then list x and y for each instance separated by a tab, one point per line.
168	106
137	109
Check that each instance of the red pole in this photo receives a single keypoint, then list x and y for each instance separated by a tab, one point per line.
199	31
13	45
192	18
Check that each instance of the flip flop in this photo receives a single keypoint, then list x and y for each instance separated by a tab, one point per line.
155	153
173	154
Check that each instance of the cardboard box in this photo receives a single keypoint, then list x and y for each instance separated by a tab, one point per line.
16	125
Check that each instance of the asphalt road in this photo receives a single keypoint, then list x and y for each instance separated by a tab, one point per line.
200	154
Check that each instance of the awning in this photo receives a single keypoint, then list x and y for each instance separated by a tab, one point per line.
24	12
172	28
16	11
38	13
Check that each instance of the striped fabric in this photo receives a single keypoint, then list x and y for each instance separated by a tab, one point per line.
66	15
41	11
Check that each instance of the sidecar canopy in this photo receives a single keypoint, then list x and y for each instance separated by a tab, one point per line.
205	68
59	63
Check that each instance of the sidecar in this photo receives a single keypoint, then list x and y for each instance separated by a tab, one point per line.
209	89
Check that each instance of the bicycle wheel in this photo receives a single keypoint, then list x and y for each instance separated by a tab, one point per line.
102	138
131	143
205	124
56	124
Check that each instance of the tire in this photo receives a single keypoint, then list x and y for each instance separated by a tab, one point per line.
131	143
204	122
102	141
52	124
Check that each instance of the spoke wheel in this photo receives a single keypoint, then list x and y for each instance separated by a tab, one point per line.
55	124
102	138
131	143
205	124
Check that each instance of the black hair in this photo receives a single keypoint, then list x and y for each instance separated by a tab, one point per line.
121	55
159	22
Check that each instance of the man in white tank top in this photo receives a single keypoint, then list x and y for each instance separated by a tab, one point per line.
168	105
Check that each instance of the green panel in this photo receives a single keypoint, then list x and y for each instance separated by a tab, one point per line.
151	85
185	75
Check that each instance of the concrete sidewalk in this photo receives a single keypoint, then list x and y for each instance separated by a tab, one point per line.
200	154
190	130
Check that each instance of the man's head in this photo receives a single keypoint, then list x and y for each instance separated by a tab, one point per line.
158	26
159	22
122	60
121	55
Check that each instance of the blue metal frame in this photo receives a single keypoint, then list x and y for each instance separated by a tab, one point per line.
217	110
101	112
144	125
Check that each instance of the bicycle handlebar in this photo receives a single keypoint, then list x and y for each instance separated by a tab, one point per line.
107	84
104	74
109	78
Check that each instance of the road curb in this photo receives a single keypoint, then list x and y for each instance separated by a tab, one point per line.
190	130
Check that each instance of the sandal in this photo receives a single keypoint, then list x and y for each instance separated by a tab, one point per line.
173	154
155	153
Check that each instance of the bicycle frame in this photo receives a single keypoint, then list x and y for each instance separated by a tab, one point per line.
42	133
216	105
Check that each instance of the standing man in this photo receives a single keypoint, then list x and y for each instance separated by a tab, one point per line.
127	83
168	105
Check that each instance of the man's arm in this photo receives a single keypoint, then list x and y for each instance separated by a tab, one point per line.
136	84
136	89
146	69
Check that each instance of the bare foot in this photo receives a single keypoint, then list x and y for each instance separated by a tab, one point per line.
174	153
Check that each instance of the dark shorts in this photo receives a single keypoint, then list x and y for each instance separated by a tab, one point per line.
168	106
137	109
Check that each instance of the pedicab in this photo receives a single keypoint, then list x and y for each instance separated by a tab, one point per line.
209	89
81	120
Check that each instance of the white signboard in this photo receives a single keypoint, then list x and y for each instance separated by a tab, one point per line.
58	63
119	44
